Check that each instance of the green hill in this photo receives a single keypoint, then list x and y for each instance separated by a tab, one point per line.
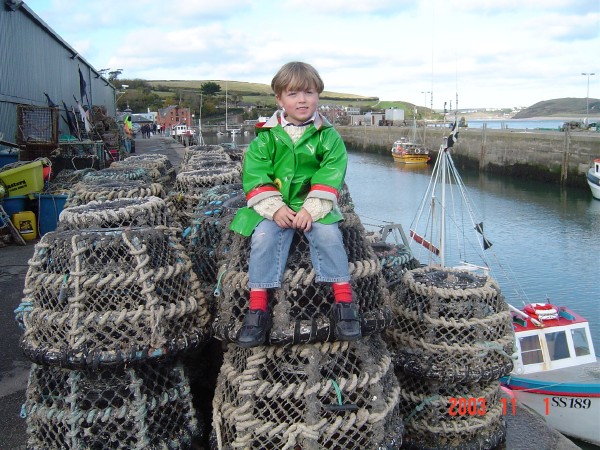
255	92
561	107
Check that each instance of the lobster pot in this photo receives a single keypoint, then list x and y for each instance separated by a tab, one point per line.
119	173
105	189
109	296
451	325
189	187
340	395
201	150
194	159
158	167
438	415
301	307
395	260
64	181
202	238
119	213
128	408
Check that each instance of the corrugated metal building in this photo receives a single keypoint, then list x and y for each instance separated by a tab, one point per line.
33	60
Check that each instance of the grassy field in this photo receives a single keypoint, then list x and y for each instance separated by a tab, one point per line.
260	93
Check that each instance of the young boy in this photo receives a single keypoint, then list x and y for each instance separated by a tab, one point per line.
292	174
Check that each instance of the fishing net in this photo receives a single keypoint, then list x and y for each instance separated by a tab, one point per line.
203	236
439	415
119	173
395	260
201	152
119	213
451	325
105	189
107	296
335	395
301	307
190	185
158	167
64	180
128	408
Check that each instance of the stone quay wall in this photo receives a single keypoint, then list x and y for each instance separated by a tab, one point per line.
551	156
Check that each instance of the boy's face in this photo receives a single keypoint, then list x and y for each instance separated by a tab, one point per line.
299	105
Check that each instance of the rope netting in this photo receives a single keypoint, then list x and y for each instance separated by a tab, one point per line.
119	173
441	415
202	152
301	307
111	296
451	325
395	260
332	395
104	189
209	221
64	180
158	167
119	213
190	185
121	408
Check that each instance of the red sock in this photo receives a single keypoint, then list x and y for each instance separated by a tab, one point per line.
258	299
342	292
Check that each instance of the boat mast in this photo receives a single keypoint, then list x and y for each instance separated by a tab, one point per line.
444	150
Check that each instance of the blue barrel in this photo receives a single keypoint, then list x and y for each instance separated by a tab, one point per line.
49	208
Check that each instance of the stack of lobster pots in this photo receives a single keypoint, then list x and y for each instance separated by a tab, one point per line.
302	388
110	305
452	340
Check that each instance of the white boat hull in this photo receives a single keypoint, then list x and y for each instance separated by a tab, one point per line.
578	417
593	179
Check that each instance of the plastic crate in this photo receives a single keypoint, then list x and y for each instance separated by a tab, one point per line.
24	179
37	124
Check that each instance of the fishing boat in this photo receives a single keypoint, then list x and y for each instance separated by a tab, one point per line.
593	179
556	372
410	151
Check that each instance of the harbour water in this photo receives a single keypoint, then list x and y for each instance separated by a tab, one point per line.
545	239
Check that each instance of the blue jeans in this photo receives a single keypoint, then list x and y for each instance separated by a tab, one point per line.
127	143
270	245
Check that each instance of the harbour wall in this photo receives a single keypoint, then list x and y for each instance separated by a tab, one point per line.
550	156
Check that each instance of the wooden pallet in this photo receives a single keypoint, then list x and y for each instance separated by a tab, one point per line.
13	231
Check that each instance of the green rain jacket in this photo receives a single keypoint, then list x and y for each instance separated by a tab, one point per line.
273	165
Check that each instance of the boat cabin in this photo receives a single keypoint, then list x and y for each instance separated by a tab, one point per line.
551	341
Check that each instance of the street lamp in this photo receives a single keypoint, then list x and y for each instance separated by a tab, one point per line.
587	96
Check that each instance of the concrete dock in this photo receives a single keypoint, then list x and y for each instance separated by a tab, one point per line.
525	430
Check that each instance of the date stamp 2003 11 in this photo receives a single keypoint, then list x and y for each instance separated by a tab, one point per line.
461	406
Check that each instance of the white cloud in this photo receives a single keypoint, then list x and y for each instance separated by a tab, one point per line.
493	53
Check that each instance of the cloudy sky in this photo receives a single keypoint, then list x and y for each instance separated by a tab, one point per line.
491	53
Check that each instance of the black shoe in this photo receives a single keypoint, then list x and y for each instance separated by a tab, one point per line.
347	321
254	328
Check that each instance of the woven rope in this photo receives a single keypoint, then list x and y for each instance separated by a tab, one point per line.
149	407
111	296
127	212
279	397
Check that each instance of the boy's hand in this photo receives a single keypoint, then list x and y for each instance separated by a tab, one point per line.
303	220
284	217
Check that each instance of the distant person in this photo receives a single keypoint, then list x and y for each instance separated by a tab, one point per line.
127	133
293	171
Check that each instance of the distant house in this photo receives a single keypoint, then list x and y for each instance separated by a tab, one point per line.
369	119
172	116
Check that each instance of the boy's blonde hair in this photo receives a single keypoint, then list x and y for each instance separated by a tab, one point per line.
296	76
